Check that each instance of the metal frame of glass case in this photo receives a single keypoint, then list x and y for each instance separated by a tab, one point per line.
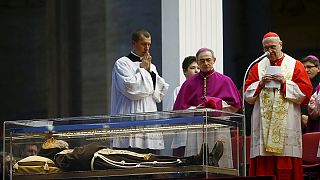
205	125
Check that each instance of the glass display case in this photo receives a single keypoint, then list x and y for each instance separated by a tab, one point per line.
198	143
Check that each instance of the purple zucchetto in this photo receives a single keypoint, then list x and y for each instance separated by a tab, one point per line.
313	57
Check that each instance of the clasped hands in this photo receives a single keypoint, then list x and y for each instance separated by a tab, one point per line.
146	61
272	77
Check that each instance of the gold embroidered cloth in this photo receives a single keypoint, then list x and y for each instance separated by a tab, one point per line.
274	110
274	113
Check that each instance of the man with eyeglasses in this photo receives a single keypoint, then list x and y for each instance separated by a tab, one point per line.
206	84
311	64
276	138
209	89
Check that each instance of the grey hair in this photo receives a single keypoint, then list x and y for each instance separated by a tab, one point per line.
203	50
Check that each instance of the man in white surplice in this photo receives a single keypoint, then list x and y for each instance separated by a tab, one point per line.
137	87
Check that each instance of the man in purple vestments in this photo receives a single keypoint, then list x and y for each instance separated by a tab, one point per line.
208	83
196	91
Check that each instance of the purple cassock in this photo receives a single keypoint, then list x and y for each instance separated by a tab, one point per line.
313	125
193	90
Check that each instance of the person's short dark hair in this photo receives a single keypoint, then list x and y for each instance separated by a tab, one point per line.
203	50
137	34
187	61
311	59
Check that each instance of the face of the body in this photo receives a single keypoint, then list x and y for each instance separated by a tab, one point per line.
192	69
31	150
205	61
311	69
141	47
274	46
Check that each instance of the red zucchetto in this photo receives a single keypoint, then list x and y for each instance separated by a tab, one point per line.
270	34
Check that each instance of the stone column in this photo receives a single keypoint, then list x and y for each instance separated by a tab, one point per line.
188	25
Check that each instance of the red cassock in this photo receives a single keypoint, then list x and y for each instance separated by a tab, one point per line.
282	166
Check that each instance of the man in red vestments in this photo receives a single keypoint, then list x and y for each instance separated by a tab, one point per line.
277	86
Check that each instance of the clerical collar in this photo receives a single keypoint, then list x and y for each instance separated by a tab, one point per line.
134	57
207	74
278	61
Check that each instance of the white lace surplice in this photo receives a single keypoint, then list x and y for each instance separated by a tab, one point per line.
133	92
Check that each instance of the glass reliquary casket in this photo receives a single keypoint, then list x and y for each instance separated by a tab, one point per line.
190	143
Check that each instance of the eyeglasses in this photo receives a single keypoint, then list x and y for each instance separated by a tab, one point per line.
309	67
208	60
267	48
